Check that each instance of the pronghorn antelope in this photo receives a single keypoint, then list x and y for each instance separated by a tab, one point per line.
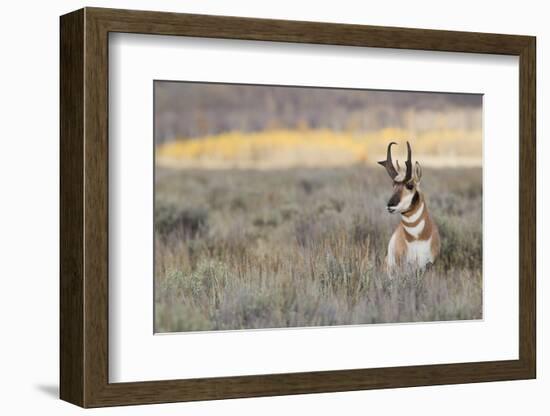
415	242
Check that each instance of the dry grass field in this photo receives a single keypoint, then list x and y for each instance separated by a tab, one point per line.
270	208
241	249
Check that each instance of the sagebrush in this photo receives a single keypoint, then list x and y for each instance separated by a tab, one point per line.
242	249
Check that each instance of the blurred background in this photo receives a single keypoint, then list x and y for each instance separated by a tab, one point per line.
270	209
205	125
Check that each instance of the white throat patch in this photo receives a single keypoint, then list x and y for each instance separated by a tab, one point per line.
405	203
415	216
415	231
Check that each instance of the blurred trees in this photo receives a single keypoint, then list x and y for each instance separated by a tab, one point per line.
189	110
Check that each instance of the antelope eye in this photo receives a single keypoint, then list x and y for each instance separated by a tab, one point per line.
409	186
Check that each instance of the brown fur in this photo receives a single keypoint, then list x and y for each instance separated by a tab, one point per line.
400	245
406	186
430	230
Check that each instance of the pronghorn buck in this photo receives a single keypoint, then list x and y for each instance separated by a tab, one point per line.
415	243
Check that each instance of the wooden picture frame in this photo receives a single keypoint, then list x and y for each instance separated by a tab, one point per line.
84	207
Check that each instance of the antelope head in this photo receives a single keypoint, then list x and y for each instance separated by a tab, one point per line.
405	182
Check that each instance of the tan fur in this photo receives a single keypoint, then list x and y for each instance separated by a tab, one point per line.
436	242
402	236
415	243
413	211
400	245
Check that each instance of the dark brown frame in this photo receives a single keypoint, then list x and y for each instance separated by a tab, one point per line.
84	208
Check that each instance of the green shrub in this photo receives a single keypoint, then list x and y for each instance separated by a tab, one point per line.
190	221
461	244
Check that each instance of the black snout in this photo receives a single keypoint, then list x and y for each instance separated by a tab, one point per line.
393	202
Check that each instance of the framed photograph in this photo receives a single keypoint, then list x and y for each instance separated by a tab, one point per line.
257	207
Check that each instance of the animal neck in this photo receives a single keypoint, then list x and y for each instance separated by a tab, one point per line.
415	220
416	208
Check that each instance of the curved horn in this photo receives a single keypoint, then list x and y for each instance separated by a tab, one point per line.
388	164
408	164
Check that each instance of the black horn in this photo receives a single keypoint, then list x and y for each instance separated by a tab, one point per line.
388	164
408	164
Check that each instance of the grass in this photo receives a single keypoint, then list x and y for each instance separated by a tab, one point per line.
240	249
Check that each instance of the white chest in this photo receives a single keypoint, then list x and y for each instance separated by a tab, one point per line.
419	253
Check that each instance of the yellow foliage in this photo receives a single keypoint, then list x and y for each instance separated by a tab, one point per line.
306	147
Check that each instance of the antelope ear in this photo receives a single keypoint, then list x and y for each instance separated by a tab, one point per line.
417	172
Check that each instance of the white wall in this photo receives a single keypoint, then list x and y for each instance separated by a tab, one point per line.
29	210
